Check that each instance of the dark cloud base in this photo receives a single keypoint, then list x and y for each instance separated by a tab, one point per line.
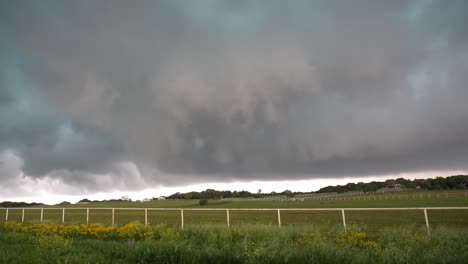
214	91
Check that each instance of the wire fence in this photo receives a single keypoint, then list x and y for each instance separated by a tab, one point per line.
227	216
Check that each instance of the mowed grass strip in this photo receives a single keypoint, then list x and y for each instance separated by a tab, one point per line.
53	216
455	218
123	217
170	218
192	217
264	217
371	220
14	214
311	217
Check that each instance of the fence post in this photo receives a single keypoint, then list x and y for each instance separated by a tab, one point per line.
182	218
87	216
146	216
6	215
427	221
113	216
22	216
63	215
227	217
42	214
279	218
344	219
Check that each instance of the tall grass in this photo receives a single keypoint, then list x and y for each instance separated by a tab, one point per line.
246	244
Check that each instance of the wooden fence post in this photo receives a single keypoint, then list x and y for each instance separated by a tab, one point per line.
279	218
344	219
42	214
63	215
427	221
113	216
22	216
227	217
146	216
182	218
6	215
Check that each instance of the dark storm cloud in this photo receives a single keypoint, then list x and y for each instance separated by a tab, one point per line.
216	90
44	139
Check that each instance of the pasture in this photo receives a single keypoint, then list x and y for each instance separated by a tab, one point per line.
253	236
170	212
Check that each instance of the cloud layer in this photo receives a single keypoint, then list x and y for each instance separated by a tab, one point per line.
184	92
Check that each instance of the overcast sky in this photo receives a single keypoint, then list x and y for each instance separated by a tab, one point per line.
117	96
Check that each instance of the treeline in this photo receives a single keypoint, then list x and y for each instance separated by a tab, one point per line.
214	194
18	204
439	183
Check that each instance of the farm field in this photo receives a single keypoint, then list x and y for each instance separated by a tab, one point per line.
253	236
400	199
100	212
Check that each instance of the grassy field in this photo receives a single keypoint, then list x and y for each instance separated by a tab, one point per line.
247	244
372	219
253	237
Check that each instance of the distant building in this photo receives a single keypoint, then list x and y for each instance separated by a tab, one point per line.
395	186
162	198
392	188
146	200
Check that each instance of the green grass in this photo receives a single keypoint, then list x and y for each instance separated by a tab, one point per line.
400	199
238	217
248	244
53	214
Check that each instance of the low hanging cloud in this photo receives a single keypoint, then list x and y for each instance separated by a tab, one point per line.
180	92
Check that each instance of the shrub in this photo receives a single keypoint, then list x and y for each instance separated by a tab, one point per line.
203	202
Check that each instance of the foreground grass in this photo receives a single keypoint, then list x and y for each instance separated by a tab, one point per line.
247	244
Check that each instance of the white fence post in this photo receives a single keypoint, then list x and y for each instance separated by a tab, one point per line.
227	217
146	216
6	215
344	219
279	218
182	218
63	215
113	216
427	221
22	216
42	214
87	216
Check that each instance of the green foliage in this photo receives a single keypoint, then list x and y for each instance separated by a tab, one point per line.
250	244
439	183
18	204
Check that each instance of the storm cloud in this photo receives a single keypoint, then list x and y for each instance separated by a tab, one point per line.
181	92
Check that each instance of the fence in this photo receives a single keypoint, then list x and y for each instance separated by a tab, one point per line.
357	196
227	211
